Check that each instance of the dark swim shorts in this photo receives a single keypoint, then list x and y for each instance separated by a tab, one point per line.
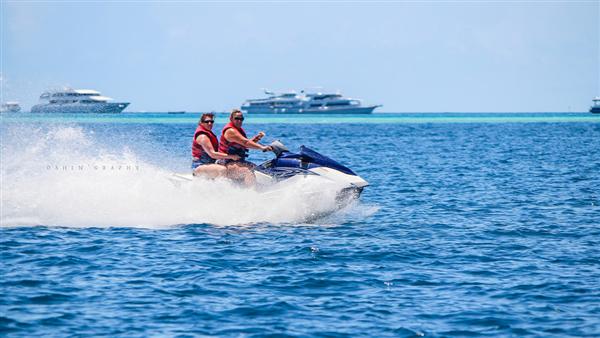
196	163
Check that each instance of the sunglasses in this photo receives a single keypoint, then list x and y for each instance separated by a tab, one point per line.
208	121
239	118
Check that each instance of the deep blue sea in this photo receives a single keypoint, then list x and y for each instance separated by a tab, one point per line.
473	225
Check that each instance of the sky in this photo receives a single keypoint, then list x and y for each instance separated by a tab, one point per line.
409	56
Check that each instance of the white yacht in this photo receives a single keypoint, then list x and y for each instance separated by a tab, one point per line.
10	107
306	103
77	101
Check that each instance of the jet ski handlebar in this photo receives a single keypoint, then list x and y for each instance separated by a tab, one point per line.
278	148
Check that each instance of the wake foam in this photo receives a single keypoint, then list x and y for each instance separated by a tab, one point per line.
62	176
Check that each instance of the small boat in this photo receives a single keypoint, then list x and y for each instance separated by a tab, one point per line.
176	112
306	103
84	101
595	108
10	107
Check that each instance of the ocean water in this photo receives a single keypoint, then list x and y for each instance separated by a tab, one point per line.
473	225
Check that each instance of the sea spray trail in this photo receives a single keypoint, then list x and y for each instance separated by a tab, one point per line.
67	177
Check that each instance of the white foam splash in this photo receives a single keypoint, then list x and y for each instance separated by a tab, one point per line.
62	176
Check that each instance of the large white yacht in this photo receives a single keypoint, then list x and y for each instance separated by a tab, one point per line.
306	103
70	100
10	107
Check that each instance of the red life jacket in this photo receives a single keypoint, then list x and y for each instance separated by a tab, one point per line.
232	147
197	150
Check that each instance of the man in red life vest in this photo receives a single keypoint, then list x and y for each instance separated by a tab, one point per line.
205	150
235	142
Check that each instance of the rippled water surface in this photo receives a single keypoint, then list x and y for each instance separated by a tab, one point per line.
481	227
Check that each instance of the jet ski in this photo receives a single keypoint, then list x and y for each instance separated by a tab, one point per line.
306	164
307	167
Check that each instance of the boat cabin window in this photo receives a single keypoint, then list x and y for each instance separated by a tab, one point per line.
326	96
340	103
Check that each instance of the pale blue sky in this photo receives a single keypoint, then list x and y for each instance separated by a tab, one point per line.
410	56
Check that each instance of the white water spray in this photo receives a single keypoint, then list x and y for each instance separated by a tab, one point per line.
62	176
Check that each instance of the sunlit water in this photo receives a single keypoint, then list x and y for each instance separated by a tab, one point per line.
474	224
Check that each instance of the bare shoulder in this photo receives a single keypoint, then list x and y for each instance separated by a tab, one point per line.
203	139
232	133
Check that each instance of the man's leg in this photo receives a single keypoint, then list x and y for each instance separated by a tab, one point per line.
241	172
210	170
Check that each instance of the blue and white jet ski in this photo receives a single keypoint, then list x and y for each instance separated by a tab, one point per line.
288	168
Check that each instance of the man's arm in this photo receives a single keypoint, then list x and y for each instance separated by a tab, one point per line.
233	135
205	143
258	136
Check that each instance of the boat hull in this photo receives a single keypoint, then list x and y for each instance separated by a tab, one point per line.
95	108
326	110
10	110
595	110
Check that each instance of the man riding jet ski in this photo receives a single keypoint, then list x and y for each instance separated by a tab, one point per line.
234	142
